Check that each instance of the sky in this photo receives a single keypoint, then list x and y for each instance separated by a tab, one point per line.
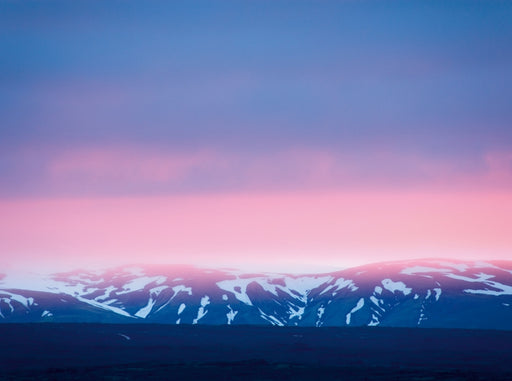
257	134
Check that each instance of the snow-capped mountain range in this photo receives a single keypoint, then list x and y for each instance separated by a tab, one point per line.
422	293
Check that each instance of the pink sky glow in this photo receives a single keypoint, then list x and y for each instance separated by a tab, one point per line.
331	229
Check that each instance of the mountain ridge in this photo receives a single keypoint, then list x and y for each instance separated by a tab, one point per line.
440	293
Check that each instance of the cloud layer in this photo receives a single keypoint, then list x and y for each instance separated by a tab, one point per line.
235	131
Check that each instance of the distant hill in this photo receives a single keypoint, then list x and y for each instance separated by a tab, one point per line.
422	293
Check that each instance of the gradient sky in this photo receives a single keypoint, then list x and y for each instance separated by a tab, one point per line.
286	134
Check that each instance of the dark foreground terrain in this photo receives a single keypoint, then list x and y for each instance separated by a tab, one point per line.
123	352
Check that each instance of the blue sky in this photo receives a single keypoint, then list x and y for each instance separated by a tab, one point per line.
434	78
289	113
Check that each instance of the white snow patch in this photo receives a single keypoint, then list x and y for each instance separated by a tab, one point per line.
416	296
358	306
224	297
181	288
34	282
106	294
438	292
145	311
178	321
503	289
46	314
138	284
109	302
297	287
124	336
181	308
231	315
238	287
201	312
305	284
342	283
8	302
375	300
296	312
26	302
73	285
378	290
428	294
374	322
461	267
205	300
94	303
328	288
90	290
320	313
176	290
481	277
157	290
269	287
271	319
154	292
396	286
